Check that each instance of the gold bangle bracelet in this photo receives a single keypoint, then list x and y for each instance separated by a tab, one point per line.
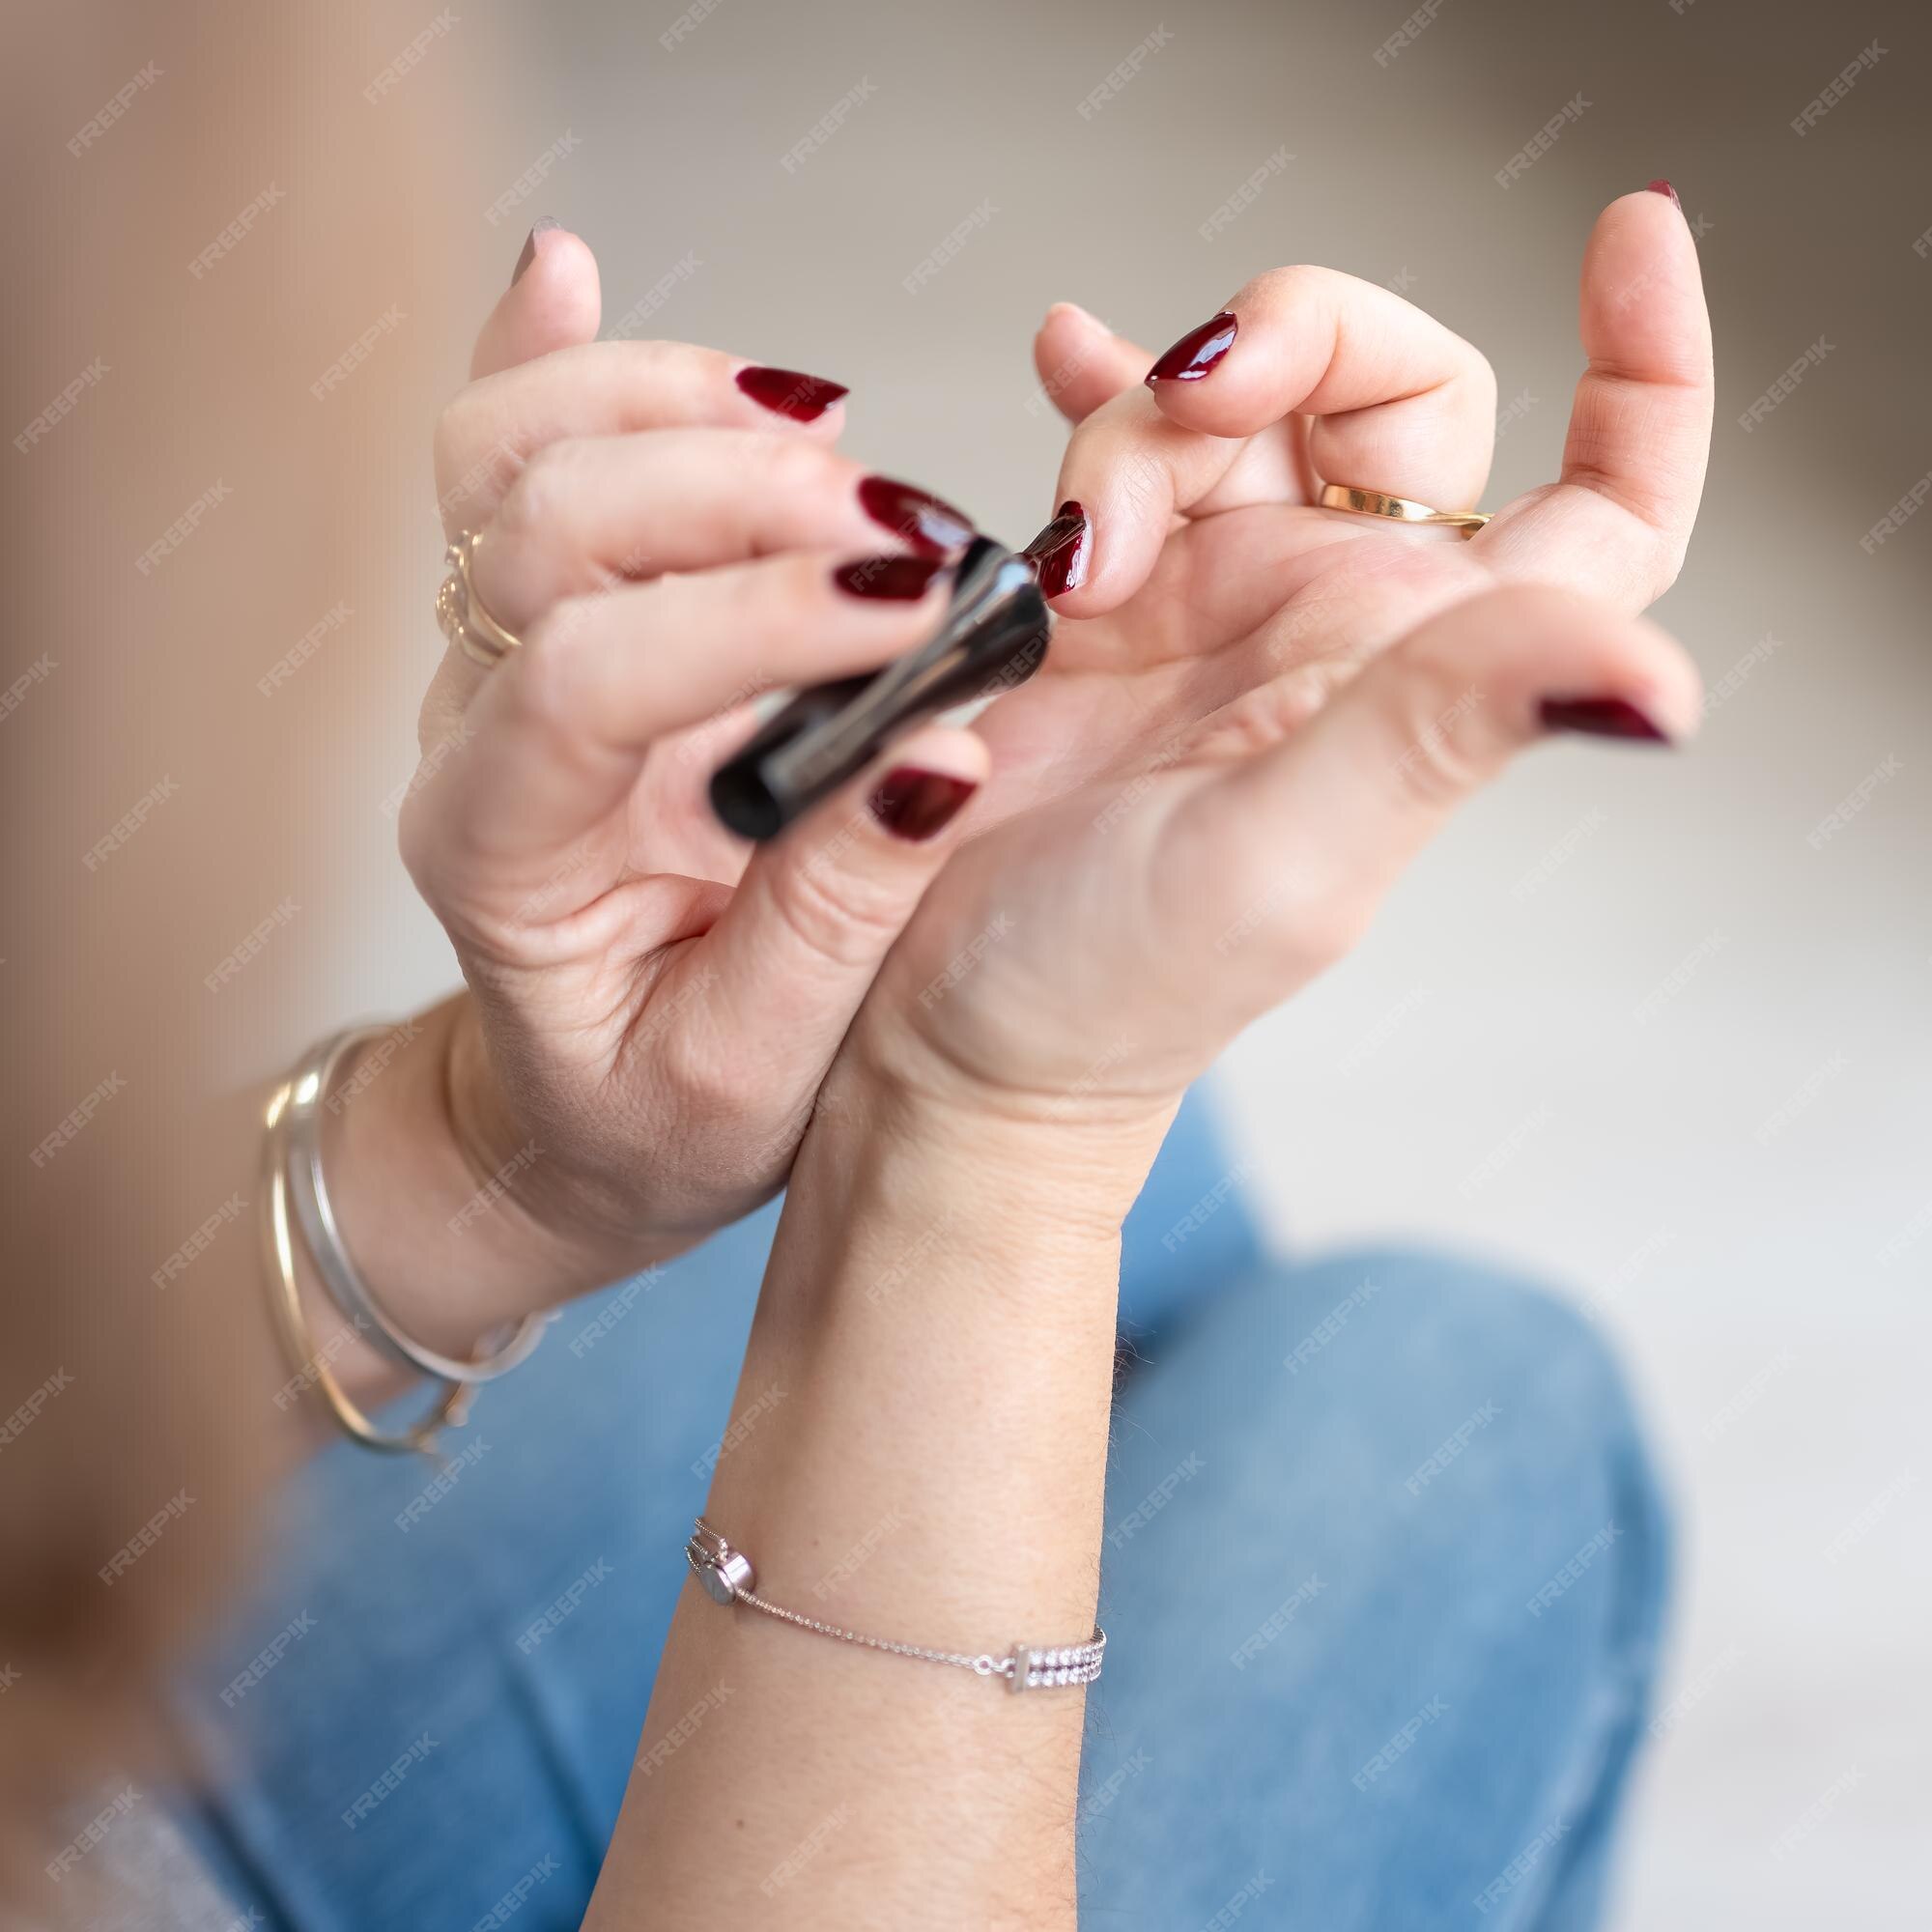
291	1325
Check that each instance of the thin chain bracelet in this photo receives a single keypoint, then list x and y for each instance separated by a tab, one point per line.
727	1578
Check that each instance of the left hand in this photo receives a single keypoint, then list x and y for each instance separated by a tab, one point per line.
1207	584
1307	693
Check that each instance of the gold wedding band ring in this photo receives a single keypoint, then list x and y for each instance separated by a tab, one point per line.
460	611
1402	509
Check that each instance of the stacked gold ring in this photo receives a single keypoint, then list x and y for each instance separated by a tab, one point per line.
1402	509
460	611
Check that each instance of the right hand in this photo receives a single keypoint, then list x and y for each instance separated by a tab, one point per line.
654	1005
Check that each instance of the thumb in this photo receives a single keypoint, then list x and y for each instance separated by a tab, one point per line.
554	301
1082	363
795	953
1326	821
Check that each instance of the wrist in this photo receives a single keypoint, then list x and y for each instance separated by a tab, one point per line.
947	1292
1014	1156
436	1221
572	1234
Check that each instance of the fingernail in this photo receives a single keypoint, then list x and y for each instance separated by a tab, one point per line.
930	527
1600	718
1663	187
1197	351
915	804
788	393
530	253
1059	553
902	578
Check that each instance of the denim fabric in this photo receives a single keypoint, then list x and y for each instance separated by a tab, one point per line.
1383	1580
431	1705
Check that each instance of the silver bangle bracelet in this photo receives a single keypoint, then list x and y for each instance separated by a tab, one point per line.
727	1578
502	1349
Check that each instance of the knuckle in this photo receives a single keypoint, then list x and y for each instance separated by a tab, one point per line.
1293	282
790	587
542	487
1666	561
1480	376
1329	927
1259	720
800	469
1136	467
1301	919
659	360
1442	747
697	1067
834	912
425	838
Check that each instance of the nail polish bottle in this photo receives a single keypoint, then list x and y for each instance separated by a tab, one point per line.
994	636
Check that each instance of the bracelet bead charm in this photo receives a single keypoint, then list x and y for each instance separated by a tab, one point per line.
727	1578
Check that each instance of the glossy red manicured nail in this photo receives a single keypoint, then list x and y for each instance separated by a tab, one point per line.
1197	351
1059	553
1600	718
915	804
1665	187
544	227
931	527
788	393
902	578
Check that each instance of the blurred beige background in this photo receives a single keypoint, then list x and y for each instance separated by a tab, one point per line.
1629	1023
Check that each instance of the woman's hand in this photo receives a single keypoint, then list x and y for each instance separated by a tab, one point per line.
670	531
1314	690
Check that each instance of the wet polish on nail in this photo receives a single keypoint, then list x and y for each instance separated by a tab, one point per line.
915	804
930	527
1060	554
1197	351
530	254
1600	718
901	579
788	393
1661	186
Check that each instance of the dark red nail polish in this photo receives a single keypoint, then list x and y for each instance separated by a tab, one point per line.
1601	718
901	578
1663	187
931	527
1197	351
530	253
1059	553
788	393
914	803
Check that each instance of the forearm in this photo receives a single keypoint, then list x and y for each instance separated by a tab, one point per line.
917	1451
